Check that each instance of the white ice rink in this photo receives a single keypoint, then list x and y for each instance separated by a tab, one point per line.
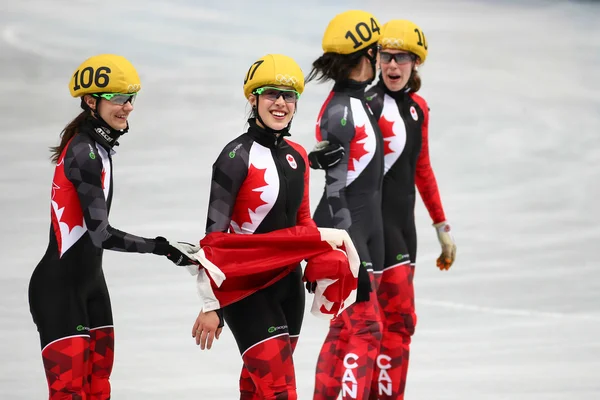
514	91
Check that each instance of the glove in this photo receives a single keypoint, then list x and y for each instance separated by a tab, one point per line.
444	233
311	287
179	252
363	291
325	155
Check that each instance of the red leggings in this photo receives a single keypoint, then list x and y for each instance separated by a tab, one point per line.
348	356
79	367
268	371
397	301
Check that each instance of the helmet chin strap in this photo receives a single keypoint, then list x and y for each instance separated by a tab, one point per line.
107	134
373	60
285	131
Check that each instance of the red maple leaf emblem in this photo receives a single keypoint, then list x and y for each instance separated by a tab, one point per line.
357	149
388	133
250	199
67	202
102	176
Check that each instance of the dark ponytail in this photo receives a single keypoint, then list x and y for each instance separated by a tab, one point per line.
68	133
333	66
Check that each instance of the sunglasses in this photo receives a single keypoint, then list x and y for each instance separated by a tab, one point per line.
271	93
118	98
400	58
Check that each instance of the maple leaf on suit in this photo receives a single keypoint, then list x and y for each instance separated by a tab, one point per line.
357	149
68	208
249	198
388	133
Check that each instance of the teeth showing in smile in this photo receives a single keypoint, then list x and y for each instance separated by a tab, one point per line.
278	113
122	116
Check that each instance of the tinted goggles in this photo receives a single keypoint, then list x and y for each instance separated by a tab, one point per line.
272	93
400	58
118	98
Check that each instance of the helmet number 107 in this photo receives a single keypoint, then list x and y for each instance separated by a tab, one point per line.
252	70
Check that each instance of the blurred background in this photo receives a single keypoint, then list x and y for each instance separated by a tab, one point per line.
514	92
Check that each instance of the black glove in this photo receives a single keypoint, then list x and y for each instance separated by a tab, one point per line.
179	252
311	287
363	292
326	155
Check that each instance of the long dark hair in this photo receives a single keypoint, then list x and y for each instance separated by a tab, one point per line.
68	133
334	66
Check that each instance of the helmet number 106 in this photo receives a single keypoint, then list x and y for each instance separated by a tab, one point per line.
87	77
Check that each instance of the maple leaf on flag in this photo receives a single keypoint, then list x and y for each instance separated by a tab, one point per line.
251	199
388	133
357	149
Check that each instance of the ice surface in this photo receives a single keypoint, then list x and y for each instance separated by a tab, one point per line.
514	91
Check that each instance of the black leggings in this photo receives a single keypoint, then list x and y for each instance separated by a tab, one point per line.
366	230
400	231
271	311
67	300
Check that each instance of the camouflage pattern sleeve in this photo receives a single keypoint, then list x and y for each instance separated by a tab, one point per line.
337	126
229	172
86	167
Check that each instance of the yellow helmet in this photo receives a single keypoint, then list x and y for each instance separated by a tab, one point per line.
104	73
350	31
276	70
400	34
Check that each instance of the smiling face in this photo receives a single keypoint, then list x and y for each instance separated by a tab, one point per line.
273	109
396	75
115	115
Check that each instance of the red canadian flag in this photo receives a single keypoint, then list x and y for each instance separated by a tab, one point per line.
234	266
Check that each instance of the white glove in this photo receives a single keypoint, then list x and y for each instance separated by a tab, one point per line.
185	258
444	233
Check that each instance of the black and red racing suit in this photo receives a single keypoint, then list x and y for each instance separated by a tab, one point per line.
260	184
403	118
352	201
68	296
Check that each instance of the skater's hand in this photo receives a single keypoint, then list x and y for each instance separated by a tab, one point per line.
311	287
364	288
444	233
206	329
325	155
180	253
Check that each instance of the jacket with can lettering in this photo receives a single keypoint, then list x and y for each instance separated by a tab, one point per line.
259	184
346	119
403	118
82	191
